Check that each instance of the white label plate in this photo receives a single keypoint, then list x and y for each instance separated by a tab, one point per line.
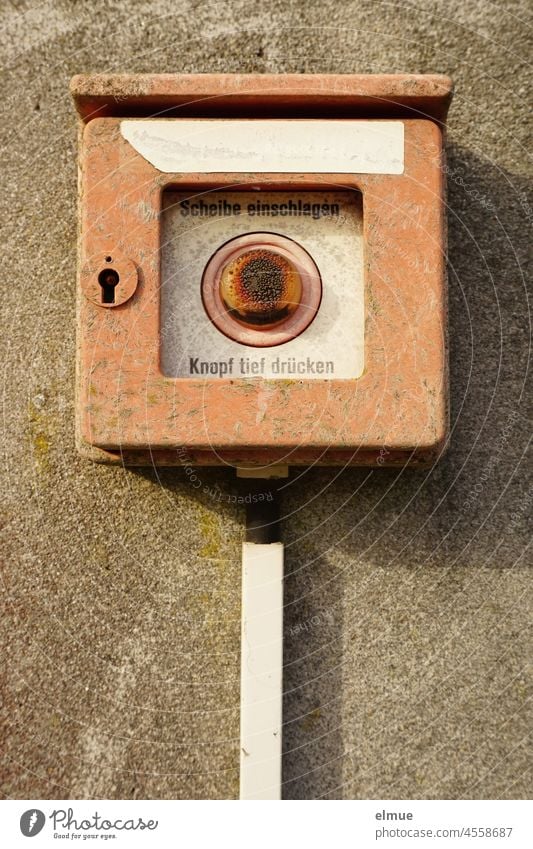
205	145
332	347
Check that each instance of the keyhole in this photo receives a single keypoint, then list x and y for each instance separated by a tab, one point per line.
108	279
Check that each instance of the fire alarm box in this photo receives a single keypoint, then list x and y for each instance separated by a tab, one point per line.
262	269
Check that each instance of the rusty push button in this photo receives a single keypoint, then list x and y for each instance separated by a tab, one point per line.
261	289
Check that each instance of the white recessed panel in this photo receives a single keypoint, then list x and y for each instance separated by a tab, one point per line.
328	225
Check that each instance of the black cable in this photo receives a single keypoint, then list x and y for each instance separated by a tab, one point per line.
262	511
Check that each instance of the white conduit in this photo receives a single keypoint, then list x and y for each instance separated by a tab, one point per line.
261	670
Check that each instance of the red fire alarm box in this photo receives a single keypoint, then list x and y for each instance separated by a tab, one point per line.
262	269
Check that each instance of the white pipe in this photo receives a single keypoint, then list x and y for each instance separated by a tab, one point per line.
261	670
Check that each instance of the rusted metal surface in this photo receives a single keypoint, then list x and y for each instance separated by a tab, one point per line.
396	411
280	301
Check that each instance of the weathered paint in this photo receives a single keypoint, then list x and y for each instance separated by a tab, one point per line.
213	144
395	412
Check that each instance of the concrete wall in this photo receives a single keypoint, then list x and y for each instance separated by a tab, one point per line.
407	592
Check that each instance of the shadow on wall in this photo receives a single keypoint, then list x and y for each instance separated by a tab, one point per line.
391	576
384	567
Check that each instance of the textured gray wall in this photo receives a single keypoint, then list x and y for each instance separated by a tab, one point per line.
407	592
